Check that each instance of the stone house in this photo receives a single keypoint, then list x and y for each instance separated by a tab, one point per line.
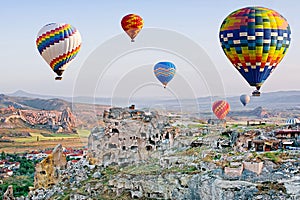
255	167
287	134
266	144
235	169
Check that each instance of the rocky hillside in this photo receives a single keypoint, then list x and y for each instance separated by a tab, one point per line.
86	114
56	121
190	173
139	155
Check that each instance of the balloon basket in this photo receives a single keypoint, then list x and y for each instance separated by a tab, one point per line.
132	40
58	78
256	93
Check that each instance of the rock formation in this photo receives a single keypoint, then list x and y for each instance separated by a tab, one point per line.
47	171
67	120
54	120
155	181
129	136
8	195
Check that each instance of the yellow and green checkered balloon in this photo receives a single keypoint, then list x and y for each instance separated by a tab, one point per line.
255	40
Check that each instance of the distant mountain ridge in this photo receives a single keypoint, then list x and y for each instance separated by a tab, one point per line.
79	99
33	103
21	93
271	100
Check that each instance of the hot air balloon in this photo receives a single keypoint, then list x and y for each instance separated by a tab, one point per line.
245	99
255	40
58	44
292	121
221	109
132	24
164	72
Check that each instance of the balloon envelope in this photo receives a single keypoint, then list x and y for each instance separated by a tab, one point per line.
164	72
255	40
245	99
132	24
58	44
221	109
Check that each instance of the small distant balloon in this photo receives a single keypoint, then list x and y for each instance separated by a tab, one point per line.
221	108
132	24
164	72
58	44
245	99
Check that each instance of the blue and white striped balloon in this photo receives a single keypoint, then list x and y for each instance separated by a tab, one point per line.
164	72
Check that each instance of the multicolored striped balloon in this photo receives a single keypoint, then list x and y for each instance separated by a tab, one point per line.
58	44
255	40
164	72
132	24
221	108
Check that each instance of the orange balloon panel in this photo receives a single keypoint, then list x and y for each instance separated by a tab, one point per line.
255	40
132	25
221	109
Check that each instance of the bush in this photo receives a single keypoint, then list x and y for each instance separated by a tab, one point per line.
273	156
217	157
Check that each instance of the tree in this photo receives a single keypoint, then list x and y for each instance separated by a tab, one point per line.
3	155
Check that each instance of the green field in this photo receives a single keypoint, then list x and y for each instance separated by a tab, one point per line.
41	139
38	136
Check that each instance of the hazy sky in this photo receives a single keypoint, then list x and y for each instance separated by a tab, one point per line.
22	68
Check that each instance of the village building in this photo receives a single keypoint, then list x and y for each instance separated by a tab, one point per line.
287	134
267	144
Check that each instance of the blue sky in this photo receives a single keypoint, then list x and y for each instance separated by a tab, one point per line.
23	68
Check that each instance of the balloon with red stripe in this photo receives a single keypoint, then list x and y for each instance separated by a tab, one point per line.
255	40
58	44
221	108
132	24
164	72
